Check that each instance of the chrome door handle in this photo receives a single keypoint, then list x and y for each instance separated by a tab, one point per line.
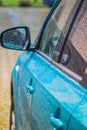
56	122
29	89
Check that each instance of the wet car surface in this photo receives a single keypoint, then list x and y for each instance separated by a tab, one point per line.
49	79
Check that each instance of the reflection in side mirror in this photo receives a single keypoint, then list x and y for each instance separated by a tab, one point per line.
65	56
17	38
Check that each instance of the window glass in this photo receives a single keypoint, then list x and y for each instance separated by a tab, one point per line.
77	44
54	28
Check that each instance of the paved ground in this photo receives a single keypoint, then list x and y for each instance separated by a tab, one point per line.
9	17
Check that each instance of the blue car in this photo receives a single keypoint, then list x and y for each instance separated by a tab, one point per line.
49	2
49	79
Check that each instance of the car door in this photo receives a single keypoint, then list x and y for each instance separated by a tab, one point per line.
32	67
56	95
78	64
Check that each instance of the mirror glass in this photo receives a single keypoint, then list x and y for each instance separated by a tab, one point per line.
14	38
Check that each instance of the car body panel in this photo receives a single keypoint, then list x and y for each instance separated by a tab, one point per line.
30	68
79	116
15	82
52	92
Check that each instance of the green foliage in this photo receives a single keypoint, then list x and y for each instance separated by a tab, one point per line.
10	2
16	2
38	3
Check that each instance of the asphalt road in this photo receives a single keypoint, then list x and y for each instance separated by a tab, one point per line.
9	17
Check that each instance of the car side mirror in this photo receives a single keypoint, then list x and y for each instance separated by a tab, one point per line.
17	38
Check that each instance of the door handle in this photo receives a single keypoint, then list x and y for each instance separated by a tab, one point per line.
56	122
29	89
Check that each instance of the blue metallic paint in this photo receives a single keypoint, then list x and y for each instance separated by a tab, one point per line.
60	91
15	81
52	87
31	66
79	116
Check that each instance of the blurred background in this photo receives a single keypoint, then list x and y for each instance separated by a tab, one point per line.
21	3
30	13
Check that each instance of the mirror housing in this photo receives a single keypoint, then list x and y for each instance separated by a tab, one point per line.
17	38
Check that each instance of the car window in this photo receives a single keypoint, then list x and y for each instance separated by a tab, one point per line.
54	28
77	44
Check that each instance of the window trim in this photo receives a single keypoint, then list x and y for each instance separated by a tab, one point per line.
64	32
39	36
56	63
70	27
80	9
61	67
